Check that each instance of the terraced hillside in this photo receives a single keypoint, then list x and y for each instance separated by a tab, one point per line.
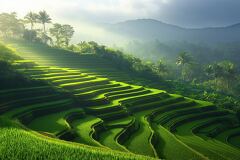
100	108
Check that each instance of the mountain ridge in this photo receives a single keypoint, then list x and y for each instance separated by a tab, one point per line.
151	29
162	22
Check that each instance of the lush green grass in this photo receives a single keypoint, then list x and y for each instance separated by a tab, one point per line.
17	143
210	148
84	129
230	136
116	111
26	109
169	147
141	137
235	140
54	123
120	122
108	138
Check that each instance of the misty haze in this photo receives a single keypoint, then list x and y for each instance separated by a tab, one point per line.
122	79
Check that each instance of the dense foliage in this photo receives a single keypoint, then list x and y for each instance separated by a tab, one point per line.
217	82
122	61
13	27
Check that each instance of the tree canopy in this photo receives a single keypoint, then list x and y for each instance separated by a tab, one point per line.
62	34
10	25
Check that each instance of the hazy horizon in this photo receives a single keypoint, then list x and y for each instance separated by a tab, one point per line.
184	13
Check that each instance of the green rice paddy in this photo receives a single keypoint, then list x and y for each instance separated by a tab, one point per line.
98	113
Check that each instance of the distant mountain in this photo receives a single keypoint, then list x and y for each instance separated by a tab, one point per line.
150	29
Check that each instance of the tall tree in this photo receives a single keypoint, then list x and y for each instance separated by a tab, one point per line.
229	73
31	18
10	25
161	68
56	32
224	74
62	34
67	33
184	60
44	18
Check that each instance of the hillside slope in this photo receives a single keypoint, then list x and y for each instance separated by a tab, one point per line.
102	111
150	29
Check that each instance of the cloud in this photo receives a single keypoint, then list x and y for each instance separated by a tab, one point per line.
191	13
199	13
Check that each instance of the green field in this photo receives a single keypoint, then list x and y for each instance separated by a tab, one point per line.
87	109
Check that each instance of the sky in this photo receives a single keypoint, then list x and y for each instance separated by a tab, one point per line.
185	13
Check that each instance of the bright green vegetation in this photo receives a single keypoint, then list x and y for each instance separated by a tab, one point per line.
55	122
141	137
108	138
85	129
17	143
82	103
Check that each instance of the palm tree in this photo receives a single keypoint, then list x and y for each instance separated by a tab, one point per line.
162	67
56	32
31	18
224	74
44	18
229	73
183	60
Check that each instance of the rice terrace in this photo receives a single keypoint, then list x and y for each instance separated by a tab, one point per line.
66	100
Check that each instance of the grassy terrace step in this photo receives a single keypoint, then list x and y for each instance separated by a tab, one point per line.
78	85
85	129
17	143
47	75
117	102
115	132
97	110
180	109
169	147
73	80
234	139
108	138
32	72
173	125
214	127
96	93
25	89
95	87
8	95
230	136
28	101
138	93
120	122
42	70
207	128
25	109
211	148
130	90
28	116
118	91
113	115
140	141
53	123
157	104
146	99
62	77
